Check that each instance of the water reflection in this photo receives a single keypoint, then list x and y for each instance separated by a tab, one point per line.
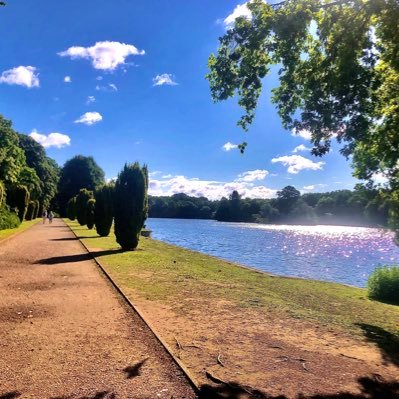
331	253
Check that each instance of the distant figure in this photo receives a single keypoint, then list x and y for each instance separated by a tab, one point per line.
44	216
50	217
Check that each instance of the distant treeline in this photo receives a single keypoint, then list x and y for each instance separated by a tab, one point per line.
362	206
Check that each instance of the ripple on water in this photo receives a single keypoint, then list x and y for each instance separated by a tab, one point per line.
332	253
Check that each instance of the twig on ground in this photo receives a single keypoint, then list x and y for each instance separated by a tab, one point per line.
284	358
350	357
219	360
192	346
178	344
275	347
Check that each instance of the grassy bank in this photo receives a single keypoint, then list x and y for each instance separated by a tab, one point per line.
162	272
23	226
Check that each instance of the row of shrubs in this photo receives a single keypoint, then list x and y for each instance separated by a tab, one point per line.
123	202
15	206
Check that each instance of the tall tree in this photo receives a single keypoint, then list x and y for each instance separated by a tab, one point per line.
77	173
46	168
287	198
104	209
81	205
130	201
90	206
12	158
338	71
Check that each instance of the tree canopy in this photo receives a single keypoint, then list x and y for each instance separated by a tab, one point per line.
362	206
77	173
46	168
338	74
12	158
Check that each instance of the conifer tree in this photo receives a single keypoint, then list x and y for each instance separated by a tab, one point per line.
81	205
90	206
130	202
104	210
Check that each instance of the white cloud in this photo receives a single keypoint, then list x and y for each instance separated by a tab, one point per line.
23	76
300	148
154	173
164	79
105	55
99	78
314	186
169	185
304	133
296	163
90	99
240	11
229	146
67	79
252	175
57	140
90	118
109	87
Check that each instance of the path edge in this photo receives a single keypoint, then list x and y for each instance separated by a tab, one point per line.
191	379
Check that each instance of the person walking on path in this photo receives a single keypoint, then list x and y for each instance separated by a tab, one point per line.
44	216
50	217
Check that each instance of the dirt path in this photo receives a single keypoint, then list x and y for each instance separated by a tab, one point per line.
64	332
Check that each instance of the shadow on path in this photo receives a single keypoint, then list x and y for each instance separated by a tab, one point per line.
55	260
10	395
371	388
387	342
134	370
72	238
98	395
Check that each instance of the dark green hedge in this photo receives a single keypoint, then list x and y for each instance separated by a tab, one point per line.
130	205
81	205
91	203
104	210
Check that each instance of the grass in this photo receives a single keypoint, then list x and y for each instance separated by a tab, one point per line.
23	226
161	272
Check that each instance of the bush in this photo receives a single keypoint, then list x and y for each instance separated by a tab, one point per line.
71	209
130	205
30	211
91	204
18	197
8	220
104	210
81	205
383	284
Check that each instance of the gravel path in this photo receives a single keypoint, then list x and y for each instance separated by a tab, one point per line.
65	333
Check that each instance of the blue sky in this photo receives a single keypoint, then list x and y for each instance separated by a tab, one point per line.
124	80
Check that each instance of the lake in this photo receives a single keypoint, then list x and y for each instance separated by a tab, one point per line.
330	253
